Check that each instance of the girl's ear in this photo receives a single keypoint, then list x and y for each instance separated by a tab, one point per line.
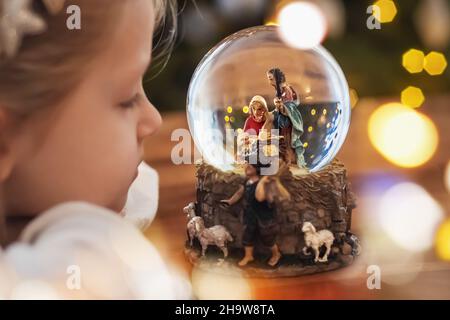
6	154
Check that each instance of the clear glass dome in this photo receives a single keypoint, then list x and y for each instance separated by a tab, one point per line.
236	70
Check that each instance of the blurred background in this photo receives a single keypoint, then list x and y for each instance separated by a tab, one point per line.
371	59
397	151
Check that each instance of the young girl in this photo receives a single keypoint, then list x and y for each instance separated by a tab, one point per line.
73	116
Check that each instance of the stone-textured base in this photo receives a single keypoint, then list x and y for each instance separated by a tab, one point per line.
322	198
289	266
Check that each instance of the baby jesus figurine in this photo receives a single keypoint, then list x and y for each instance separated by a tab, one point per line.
259	212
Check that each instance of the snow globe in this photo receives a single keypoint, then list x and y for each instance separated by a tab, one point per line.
268	120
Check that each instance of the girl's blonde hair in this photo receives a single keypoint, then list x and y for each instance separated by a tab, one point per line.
49	65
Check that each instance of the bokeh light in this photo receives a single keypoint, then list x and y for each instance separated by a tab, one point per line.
413	60
443	241
435	63
412	97
379	248
271	23
432	22
388	10
398	266
353	97
214	286
447	176
302	25
409	216
402	135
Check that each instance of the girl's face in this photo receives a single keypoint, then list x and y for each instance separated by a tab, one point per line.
88	147
259	112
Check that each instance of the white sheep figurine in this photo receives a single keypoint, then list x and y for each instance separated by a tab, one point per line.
216	235
315	239
189	210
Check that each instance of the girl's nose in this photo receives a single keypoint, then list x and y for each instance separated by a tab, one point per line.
149	122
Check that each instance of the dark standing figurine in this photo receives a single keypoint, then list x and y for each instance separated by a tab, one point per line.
259	212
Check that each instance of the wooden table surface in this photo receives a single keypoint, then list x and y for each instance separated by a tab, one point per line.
403	277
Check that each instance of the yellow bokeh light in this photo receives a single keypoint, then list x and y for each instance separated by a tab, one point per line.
328	125
229	109
443	241
413	61
245	109
412	97
227	118
310	129
435	63
271	23
214	286
353	98
387	10
324	111
305	145
402	135
313	112
270	150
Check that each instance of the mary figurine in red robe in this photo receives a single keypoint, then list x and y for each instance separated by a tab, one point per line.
257	117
